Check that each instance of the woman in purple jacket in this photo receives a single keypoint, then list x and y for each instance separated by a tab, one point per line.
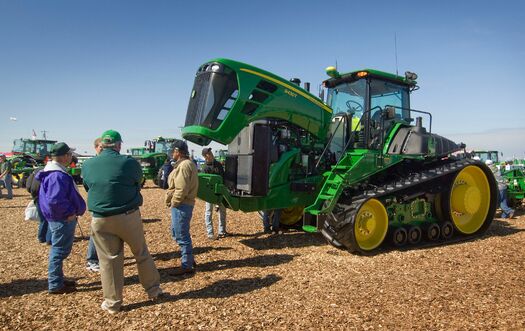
60	204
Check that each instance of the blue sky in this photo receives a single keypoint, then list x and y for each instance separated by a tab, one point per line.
77	68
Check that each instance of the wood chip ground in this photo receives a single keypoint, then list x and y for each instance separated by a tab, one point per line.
253	281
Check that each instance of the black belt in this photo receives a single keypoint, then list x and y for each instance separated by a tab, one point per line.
131	211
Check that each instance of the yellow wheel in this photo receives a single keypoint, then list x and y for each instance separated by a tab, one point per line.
370	225
292	215
469	199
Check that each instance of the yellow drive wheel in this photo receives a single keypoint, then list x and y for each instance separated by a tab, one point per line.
469	199
370	225
291	215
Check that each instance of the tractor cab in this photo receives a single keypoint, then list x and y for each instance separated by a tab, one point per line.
366	104
487	155
36	147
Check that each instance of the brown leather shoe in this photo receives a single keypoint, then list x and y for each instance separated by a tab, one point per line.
179	271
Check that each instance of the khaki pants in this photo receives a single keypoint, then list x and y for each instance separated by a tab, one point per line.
109	234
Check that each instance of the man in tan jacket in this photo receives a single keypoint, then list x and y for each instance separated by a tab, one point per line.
183	184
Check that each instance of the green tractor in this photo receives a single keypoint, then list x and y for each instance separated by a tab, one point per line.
27	154
152	157
487	155
362	169
513	172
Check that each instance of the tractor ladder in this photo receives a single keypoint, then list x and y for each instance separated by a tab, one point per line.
331	190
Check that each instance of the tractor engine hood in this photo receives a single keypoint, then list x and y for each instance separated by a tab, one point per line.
228	95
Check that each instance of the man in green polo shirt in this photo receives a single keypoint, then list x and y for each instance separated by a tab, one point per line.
113	184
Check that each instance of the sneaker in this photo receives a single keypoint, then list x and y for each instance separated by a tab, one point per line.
157	294
277	231
64	289
267	230
222	235
511	215
105	307
94	267
212	237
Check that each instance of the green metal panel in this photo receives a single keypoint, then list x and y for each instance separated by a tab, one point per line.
288	102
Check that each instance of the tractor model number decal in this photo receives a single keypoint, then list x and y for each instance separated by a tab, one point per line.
290	93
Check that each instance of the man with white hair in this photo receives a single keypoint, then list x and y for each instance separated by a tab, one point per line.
506	211
113	183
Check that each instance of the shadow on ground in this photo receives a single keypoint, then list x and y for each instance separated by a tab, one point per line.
285	240
20	287
220	289
151	220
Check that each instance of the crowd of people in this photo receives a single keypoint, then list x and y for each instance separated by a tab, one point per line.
113	183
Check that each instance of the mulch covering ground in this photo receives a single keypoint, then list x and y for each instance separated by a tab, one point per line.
255	281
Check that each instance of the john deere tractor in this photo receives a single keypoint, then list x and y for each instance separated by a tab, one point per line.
152	157
27	154
361	166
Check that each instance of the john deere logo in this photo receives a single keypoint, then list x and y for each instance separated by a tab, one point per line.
193	94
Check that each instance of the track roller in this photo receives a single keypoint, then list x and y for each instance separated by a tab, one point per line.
447	230
399	236
433	232
414	234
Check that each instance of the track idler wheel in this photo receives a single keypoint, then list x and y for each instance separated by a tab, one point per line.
399	237
414	235
433	232
471	202
447	230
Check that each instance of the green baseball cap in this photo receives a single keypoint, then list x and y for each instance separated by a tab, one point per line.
111	137
60	149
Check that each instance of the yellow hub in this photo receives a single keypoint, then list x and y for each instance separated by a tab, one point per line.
371	225
291	215
469	199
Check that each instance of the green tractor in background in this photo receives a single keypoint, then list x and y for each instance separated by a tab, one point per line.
358	168
487	155
28	154
513	172
152	157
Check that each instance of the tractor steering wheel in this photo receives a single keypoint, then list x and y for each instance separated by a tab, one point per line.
356	108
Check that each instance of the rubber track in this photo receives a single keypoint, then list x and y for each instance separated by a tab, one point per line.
339	217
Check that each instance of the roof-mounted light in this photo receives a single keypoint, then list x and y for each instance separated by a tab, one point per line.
361	74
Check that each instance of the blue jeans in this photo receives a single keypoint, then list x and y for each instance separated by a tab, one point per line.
92	256
44	234
8	183
180	232
208	214
62	235
275	219
505	209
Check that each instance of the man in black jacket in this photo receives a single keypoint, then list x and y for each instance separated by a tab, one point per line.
212	166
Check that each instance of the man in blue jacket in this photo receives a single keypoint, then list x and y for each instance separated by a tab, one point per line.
60	203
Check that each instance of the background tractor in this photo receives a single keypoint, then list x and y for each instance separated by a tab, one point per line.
360	166
513	172
152	157
28	154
